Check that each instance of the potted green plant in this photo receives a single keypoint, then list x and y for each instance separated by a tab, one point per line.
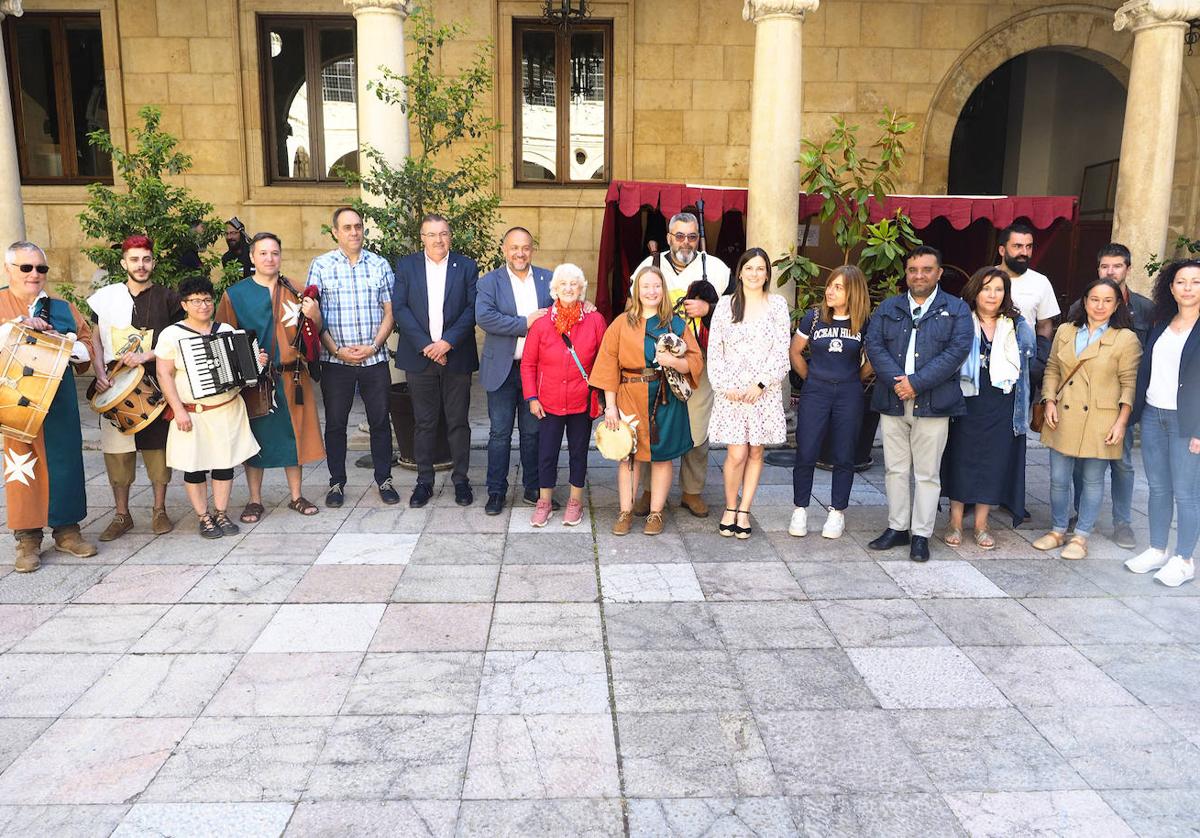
848	179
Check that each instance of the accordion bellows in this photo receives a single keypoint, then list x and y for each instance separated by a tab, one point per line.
217	363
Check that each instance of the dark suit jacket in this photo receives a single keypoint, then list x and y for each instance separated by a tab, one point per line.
1188	406
496	314
410	308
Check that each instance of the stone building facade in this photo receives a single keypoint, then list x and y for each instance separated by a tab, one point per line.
681	99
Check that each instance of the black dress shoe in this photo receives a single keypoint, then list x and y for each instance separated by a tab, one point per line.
336	496
463	495
918	551
531	498
889	539
495	504
421	494
388	493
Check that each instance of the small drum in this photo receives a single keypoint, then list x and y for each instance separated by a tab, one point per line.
32	365
618	444
132	402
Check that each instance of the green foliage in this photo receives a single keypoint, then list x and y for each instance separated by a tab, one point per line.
149	205
450	171
847	179
1184	248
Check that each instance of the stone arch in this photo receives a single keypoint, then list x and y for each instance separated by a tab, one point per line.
1085	30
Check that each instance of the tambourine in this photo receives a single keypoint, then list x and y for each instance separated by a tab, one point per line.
617	444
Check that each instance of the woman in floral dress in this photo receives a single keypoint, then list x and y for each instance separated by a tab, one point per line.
747	363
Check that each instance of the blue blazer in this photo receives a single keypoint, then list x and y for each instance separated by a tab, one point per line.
944	337
410	308
496	314
1188	398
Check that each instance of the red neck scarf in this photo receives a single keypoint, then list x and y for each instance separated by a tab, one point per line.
566	316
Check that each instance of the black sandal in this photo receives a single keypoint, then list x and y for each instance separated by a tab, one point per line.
729	529
304	506
227	526
209	528
744	532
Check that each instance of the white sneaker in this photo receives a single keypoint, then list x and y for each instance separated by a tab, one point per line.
835	524
1176	571
1147	560
799	523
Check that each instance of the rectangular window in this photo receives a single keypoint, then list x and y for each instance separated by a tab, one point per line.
309	138
562	108
56	76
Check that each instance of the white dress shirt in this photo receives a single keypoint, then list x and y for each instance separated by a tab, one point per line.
910	357
435	285
525	293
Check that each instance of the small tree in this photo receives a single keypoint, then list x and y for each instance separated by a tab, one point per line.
1184	247
847	180
149	205
450	171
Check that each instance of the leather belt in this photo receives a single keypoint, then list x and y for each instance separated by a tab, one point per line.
642	376
200	408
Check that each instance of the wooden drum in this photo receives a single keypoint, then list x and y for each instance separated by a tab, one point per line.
32	365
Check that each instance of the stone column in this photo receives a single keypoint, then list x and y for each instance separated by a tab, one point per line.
380	43
1143	202
12	211
774	199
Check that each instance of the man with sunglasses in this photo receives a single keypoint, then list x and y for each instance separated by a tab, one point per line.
140	309
683	266
43	479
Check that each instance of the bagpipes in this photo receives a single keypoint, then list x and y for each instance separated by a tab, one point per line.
307	341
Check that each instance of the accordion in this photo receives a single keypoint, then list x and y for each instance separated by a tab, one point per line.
220	362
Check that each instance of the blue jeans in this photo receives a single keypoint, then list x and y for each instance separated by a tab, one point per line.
1091	493
1122	484
1173	473
505	405
834	408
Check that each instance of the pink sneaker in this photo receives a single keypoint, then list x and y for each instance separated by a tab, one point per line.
573	514
541	513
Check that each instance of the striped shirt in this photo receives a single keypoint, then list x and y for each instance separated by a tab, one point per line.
352	299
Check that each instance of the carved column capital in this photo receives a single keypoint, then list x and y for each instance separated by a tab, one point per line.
10	7
1143	14
403	7
759	10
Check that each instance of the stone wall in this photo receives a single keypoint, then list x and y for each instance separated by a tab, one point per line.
682	80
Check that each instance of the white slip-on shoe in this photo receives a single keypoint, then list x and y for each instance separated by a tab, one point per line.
1176	571
1147	560
835	524
799	523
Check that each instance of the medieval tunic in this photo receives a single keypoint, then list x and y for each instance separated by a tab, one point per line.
44	481
290	435
629	349
119	314
220	437
699	406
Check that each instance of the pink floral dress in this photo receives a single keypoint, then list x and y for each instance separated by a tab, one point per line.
741	355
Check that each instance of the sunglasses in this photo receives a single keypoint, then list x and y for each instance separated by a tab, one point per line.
26	268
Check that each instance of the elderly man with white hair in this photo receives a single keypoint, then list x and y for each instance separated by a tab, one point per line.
560	349
43	479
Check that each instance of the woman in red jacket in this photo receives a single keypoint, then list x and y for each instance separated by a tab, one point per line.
560	349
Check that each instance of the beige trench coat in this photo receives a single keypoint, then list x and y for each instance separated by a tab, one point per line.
1091	401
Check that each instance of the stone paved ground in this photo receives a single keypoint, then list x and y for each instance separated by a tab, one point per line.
382	670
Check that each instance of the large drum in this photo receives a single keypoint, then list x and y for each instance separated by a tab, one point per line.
132	402
32	365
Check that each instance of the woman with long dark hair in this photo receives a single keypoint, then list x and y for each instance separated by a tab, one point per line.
831	401
1088	391
984	462
1168	406
747	362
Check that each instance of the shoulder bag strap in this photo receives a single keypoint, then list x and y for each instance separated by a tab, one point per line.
1067	380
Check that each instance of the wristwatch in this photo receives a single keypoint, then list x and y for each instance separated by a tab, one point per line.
762	386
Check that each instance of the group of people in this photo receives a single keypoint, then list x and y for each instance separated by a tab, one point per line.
699	356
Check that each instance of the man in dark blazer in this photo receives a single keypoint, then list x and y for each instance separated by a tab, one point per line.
510	300
433	303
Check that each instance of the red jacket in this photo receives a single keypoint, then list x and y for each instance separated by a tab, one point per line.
549	373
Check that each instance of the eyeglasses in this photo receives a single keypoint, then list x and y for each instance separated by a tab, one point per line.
199	301
680	238
916	316
26	268
444	234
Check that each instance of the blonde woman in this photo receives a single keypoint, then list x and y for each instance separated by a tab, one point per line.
629	369
831	402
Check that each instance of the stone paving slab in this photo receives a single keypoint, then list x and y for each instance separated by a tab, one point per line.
380	670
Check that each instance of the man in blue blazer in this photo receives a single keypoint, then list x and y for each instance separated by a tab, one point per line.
433	303
510	300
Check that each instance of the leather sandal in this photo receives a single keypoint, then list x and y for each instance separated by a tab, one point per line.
744	532
252	513
303	506
984	540
1050	541
952	536
728	529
